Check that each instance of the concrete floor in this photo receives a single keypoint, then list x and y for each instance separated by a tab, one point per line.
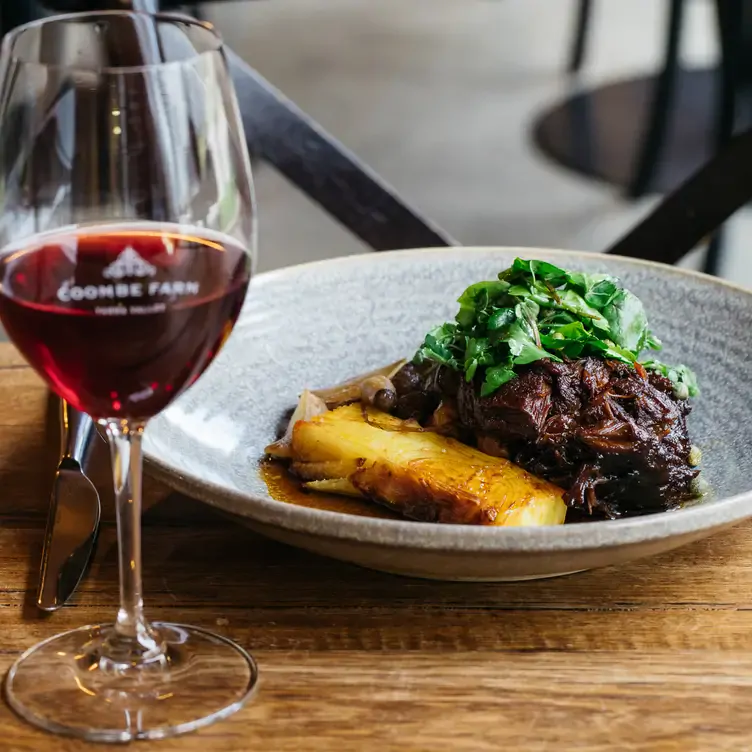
438	97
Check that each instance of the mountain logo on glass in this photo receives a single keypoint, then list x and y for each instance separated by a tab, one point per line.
129	264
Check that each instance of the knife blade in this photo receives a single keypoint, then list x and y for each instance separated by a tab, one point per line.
73	521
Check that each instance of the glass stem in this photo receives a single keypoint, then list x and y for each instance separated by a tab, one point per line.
133	638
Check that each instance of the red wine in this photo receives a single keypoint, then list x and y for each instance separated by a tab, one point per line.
121	319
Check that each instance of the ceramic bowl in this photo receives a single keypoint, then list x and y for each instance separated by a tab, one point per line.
317	324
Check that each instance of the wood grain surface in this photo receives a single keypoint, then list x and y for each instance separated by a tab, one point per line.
655	655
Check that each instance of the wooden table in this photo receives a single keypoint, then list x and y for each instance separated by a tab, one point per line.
656	655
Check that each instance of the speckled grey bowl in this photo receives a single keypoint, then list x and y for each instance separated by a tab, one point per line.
317	324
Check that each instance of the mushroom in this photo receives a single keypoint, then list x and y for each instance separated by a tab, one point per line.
352	389
379	392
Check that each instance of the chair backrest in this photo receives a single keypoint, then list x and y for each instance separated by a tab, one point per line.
697	208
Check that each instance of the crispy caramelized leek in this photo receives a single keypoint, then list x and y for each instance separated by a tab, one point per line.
420	474
340	486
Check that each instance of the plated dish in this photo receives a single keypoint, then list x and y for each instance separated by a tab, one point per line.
537	403
321	324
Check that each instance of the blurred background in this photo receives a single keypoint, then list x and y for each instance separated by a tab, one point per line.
484	118
442	98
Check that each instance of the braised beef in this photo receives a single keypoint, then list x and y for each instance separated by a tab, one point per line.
516	411
614	437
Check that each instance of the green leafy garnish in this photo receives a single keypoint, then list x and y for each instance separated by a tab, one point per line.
683	379
439	345
536	311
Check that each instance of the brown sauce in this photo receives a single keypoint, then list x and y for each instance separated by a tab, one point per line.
284	487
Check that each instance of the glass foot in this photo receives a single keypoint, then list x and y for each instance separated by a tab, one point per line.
66	685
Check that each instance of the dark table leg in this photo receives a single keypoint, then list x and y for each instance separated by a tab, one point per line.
581	28
654	134
734	34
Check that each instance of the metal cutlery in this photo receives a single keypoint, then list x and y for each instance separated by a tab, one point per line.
73	520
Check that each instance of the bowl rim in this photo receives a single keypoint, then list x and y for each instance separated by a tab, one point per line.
447	537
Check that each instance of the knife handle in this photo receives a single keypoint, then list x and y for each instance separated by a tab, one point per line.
77	433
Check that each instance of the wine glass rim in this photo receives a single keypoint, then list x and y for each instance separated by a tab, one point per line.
14	34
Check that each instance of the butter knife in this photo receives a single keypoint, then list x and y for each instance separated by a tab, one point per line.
73	520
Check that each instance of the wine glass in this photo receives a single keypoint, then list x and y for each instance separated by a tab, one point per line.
127	242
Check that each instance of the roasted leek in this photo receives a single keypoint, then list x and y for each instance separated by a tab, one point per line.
418	473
